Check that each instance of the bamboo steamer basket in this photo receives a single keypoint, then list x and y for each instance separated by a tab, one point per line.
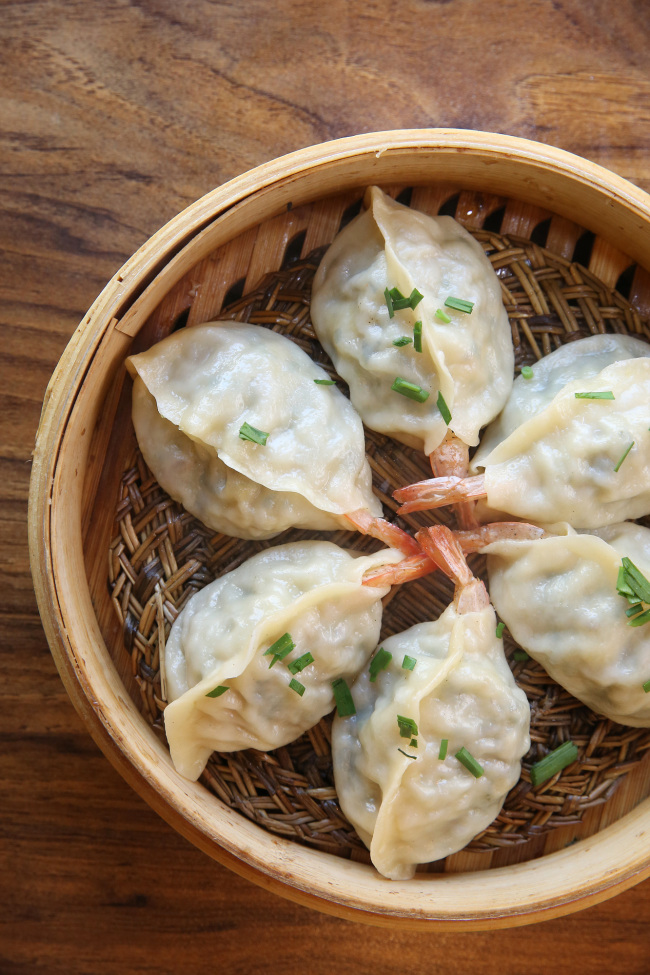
242	229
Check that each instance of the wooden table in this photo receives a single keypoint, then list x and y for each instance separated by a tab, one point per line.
113	117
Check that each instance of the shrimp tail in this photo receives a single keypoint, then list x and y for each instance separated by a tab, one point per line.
385	531
442	547
439	491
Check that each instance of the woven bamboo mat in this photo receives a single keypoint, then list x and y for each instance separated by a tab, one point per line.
161	556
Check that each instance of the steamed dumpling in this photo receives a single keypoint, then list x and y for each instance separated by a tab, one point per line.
565	462
576	360
469	361
192	394
311	590
414	810
558	596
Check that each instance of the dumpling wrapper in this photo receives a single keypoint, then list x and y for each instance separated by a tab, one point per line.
311	590
558	597
470	361
559	465
193	392
409	811
575	360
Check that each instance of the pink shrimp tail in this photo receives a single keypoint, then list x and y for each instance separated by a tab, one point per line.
442	547
451	458
439	491
386	532
476	539
414	567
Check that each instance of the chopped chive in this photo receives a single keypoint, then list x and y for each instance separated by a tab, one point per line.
640	620
408	663
636	580
280	649
413	743
469	762
442	316
562	756
296	686
646	687
460	304
218	691
389	303
407	727
499	631
618	466
379	662
297	665
325	382
606	394
634	610
444	409
442	754
406	388
527	372
520	655
415	298
343	698
414	757
417	336
247	432
402	340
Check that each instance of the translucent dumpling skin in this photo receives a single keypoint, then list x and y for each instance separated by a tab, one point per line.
311	590
195	390
558	596
411	810
565	464
469	360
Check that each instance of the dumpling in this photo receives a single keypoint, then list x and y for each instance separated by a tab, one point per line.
583	459
558	596
576	360
196	390
447	691
468	360
304	596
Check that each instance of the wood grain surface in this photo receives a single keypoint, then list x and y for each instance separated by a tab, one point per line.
113	117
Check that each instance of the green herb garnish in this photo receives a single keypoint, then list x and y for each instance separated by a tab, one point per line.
627	450
442	754
218	691
408	663
415	298
406	388
442	316
296	686
325	382
406	754
295	666
343	698
379	662
247	432
606	394
444	409
402	340
413	743
469	762
417	336
636	580
520	655
640	620
280	649
407	727
389	303
562	756
460	304
499	631
527	372
646	687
